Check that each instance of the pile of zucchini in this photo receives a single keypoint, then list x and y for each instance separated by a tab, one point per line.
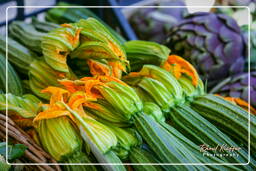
91	97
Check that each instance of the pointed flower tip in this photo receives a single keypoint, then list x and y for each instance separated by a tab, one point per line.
57	94
243	104
178	66
66	25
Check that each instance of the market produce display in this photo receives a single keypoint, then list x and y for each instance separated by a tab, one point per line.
81	93
237	86
213	43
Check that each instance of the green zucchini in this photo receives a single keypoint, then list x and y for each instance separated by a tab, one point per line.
161	142
18	55
202	132
27	35
194	149
14	84
230	118
44	26
72	15
138	155
79	158
25	106
141	52
154	111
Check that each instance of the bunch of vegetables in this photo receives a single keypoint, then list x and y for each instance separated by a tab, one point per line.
137	103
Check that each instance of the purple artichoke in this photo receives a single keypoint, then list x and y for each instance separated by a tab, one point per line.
213	43
237	86
153	24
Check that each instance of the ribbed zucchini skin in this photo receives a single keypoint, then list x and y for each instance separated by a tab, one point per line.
27	35
141	52
14	83
228	117
201	131
18	55
161	142
193	148
71	15
79	158
138	155
44	26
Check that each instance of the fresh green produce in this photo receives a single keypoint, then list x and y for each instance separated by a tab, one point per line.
153	24
18	55
202	132
228	117
138	155
100	44
57	134
154	81
14	84
213	43
96	42
162	87
237	86
25	106
15	151
72	15
127	139
128	106
44	26
141	52
27	35
4	166
159	113
155	112
41	75
98	137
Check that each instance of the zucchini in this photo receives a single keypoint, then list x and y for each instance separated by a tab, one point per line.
138	155
108	157
72	15
194	149
14	84
141	52
155	112
161	142
41	76
27	35
18	55
230	118
79	158
25	106
44	26
201	132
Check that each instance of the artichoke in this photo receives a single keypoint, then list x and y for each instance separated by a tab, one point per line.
154	23
237	86
213	43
